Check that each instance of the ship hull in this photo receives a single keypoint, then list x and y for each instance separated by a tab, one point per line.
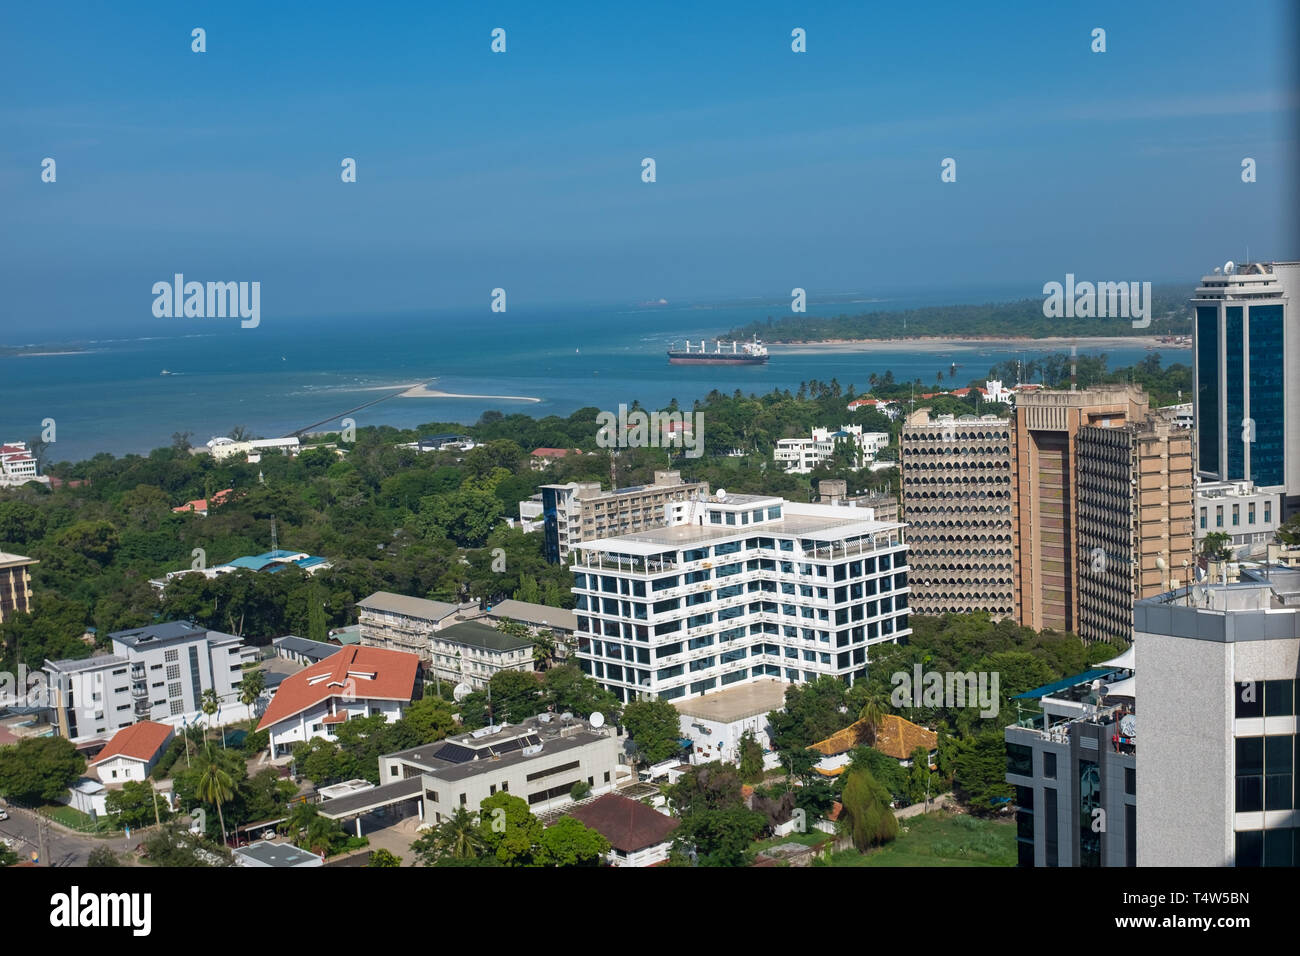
696	358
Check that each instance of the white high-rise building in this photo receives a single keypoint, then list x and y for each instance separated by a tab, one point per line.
740	588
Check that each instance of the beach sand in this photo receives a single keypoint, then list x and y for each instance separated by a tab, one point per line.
424	391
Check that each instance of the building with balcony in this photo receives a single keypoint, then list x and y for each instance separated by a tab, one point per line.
1072	758
15	584
1135	530
397	622
1247	377
740	588
472	652
154	673
580	511
957	498
1217	675
799	456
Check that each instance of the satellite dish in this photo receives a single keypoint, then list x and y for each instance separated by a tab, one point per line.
1229	267
598	719
461	692
722	494
1128	725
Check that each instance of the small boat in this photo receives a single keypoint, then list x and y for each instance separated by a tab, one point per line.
164	372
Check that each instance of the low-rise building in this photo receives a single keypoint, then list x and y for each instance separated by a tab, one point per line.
303	651
132	752
201	506
540	619
269	562
895	737
541	458
280	855
354	682
638	835
223	448
538	760
799	456
713	724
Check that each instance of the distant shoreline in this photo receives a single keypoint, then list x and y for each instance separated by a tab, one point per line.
936	343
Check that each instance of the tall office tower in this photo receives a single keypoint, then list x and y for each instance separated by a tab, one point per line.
580	511
956	477
15	585
1216	681
1135	515
1247	387
739	589
1044	530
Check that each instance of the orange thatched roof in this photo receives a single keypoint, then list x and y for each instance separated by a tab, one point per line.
895	737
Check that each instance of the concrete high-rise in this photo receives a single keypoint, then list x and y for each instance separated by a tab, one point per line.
1045	502
741	588
1247	377
1216	684
956	478
1135	524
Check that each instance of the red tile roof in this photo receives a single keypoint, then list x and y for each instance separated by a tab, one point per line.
140	741
627	824
554	452
360	673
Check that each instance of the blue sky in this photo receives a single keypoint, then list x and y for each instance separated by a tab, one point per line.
522	170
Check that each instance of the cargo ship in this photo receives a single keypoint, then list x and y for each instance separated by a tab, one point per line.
740	353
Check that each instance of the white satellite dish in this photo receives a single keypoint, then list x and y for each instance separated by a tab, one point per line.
722	494
598	719
461	692
1229	267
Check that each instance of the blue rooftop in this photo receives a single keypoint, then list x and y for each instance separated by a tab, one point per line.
1064	684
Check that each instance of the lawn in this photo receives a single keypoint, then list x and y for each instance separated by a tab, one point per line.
942	839
811	838
71	817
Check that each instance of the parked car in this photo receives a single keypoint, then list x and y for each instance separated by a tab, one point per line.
4	814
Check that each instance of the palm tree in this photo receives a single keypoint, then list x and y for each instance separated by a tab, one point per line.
873	714
250	689
215	787
459	837
543	651
211	703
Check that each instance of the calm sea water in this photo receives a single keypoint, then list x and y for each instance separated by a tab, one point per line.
287	374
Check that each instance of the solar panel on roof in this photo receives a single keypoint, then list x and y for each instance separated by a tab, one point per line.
455	753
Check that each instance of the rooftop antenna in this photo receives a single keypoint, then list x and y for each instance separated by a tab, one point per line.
275	540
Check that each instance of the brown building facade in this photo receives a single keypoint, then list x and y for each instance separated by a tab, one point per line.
1045	503
15	585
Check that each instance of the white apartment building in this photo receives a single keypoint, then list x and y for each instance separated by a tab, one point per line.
799	456
18	465
222	448
743	588
1248	516
154	673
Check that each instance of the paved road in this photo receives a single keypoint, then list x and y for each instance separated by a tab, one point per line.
66	848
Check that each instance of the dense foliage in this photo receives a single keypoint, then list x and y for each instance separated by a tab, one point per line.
1024	318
